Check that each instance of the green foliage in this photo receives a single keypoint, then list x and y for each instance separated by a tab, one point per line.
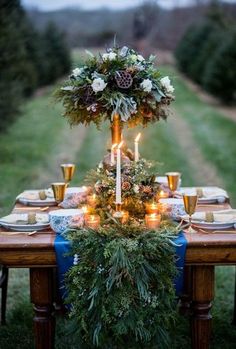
121	291
206	52
190	46
56	53
24	61
138	186
129	86
220	74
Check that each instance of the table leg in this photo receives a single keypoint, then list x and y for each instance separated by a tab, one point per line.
202	295
185	299
41	290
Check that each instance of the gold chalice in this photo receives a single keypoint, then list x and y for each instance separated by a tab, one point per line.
59	190
173	180
68	172
190	204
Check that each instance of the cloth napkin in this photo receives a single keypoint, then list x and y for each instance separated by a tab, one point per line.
15	218
224	216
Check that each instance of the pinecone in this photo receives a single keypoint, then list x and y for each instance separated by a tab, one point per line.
126	186
146	189
89	97
123	79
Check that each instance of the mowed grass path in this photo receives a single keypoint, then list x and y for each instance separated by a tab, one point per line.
33	142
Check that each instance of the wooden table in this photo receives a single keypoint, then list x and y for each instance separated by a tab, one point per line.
37	253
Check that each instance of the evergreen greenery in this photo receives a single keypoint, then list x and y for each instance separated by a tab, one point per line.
25	62
206	52
121	291
220	75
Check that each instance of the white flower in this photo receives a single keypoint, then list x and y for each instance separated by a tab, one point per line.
165	82
98	85
109	56
77	71
133	57
146	85
136	188
140	58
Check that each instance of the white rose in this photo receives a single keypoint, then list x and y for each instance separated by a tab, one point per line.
136	188
140	58
146	85
109	56
77	71
98	85
165	82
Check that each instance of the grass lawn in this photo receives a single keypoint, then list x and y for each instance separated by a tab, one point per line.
29	148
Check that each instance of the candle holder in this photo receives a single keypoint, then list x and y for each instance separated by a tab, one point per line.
92	221
116	129
121	216
162	195
151	207
153	220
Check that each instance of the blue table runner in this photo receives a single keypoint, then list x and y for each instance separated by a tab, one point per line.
65	262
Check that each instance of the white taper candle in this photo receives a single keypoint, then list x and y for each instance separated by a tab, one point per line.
136	152
118	175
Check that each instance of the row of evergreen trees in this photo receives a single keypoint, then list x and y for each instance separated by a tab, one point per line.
207	54
28	59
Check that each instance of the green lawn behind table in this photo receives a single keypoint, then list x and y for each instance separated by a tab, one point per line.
31	144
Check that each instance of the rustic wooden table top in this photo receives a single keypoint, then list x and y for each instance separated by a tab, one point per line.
38	250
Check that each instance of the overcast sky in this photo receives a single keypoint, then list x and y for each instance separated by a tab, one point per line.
48	5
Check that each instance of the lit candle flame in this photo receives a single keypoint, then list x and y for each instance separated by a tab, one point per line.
138	137
85	209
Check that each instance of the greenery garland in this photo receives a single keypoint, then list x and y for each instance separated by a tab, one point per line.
121	286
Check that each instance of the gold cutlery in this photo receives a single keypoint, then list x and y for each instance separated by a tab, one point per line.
32	208
18	232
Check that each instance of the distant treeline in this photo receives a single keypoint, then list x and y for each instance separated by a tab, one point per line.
160	28
207	54
29	59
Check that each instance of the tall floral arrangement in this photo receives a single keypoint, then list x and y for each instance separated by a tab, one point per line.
119	81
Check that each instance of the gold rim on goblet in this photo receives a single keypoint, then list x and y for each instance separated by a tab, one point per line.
59	189
68	171
173	180
190	204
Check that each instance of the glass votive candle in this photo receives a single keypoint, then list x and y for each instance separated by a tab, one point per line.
151	207
92	221
86	209
92	200
153	220
162	195
163	208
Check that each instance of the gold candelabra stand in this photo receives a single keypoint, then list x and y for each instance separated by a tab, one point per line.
116	129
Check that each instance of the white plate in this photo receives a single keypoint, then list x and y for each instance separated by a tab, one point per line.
212	226
24	227
35	202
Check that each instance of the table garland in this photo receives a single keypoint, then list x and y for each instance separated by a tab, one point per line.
121	286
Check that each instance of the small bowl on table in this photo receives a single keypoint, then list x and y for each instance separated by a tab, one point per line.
60	220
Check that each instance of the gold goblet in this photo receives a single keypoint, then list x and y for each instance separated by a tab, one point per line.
190	204
68	171
59	190
173	180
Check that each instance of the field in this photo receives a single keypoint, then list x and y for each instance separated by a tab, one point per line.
197	140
